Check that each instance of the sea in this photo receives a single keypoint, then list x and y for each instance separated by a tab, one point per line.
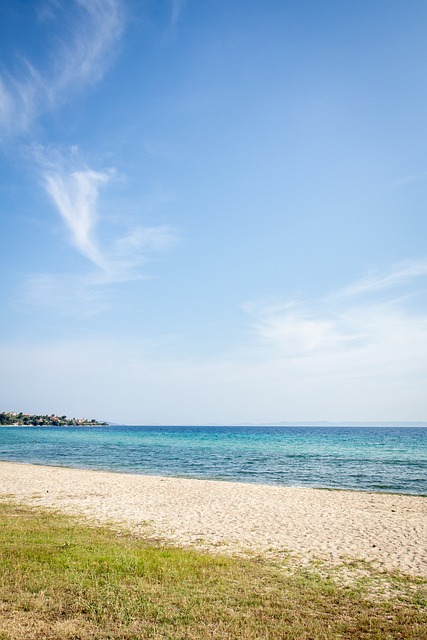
387	459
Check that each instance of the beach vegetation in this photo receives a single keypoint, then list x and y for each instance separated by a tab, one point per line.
61	579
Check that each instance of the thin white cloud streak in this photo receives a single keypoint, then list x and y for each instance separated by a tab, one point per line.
354	355
63	295
125	246
399	274
146	240
86	58
375	339
75	196
349	332
80	60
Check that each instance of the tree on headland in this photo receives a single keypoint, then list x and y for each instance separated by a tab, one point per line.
26	419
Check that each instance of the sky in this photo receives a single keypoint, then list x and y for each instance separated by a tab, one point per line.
214	211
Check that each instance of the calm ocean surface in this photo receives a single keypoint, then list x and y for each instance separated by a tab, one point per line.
392	459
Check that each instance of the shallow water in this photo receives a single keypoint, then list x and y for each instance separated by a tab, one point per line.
391	459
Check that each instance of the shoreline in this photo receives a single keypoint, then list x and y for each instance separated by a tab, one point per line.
202	479
228	517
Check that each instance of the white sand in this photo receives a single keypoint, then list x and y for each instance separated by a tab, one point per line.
229	516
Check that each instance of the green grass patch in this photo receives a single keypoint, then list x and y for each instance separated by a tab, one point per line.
61	579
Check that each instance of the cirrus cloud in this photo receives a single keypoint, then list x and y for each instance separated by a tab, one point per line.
79	55
74	189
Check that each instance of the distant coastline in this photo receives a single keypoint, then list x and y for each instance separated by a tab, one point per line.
14	419
270	425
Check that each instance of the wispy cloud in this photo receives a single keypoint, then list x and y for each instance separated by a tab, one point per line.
358	340
376	281
146	239
131	252
74	188
75	196
79	57
86	57
63	295
355	332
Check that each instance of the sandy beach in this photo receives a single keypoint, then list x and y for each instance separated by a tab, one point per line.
389	529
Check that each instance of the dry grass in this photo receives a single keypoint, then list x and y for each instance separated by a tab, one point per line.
63	580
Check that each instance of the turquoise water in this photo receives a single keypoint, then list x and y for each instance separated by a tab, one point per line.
391	459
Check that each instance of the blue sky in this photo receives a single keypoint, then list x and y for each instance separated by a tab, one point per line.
214	211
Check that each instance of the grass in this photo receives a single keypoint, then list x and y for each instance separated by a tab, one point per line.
63	580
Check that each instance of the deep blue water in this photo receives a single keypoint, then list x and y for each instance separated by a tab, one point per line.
391	459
